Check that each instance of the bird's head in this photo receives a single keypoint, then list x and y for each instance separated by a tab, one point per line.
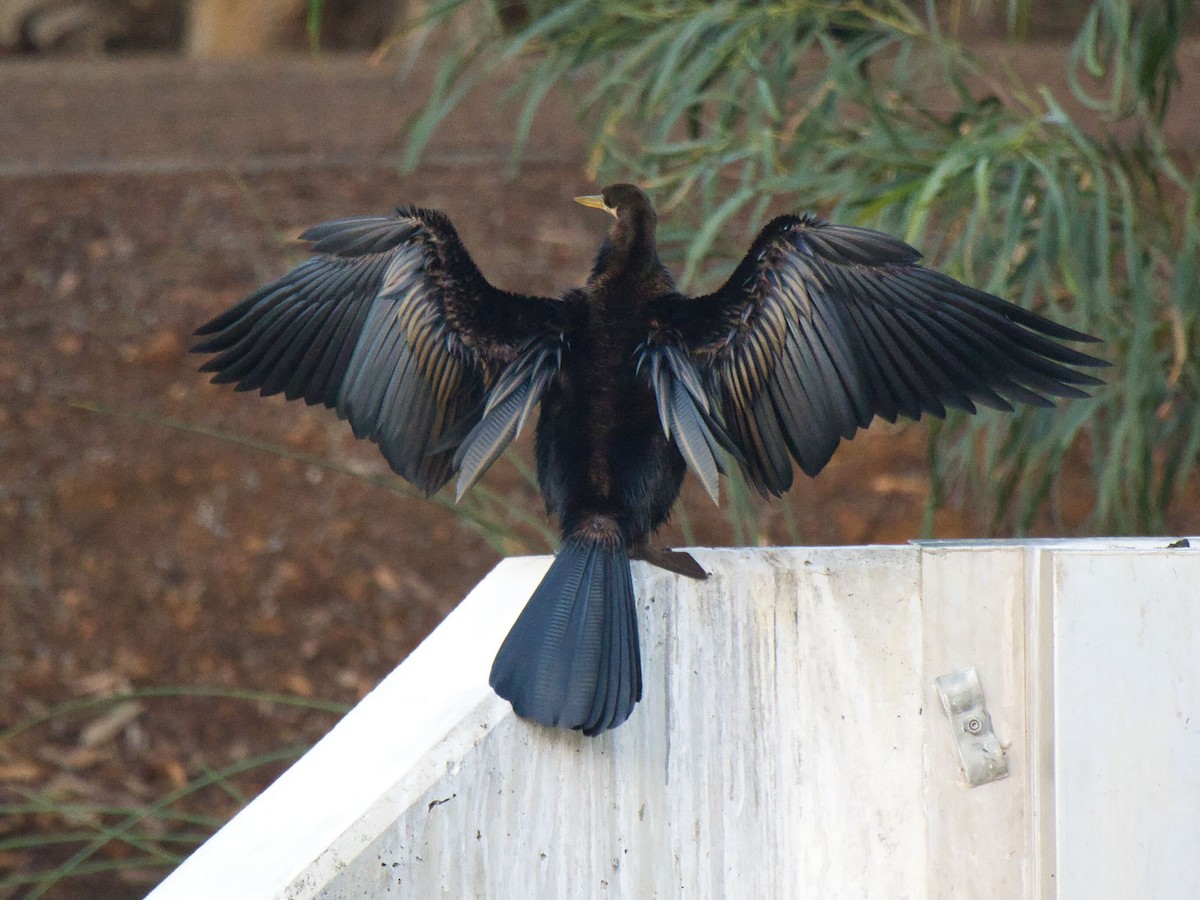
630	242
622	201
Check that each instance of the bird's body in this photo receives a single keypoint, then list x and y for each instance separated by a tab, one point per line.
600	446
818	330
601	449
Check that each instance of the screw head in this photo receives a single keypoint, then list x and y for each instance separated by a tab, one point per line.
973	725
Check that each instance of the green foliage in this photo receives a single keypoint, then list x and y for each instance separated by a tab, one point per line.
867	111
312	23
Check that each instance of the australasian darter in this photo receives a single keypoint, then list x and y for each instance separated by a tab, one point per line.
819	329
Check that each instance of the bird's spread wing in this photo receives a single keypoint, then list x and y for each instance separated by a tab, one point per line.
392	325
823	327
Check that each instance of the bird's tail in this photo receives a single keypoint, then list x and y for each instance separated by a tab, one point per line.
572	657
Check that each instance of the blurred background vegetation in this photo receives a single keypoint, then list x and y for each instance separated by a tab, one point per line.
872	112
875	113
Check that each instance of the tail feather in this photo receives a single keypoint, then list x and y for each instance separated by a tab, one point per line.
572	658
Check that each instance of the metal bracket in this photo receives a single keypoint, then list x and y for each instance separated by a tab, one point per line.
979	750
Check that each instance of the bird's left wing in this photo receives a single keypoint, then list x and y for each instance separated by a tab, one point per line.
392	325
823	327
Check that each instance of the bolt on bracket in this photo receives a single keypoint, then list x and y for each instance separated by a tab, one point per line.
979	750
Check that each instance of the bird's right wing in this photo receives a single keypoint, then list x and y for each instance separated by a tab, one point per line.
392	325
823	327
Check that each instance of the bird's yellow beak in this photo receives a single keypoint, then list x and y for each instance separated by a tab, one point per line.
596	201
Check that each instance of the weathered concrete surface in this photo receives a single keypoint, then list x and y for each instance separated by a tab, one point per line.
790	743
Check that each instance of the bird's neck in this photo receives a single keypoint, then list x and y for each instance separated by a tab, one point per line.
629	253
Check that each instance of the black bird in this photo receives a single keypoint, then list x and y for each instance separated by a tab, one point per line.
817	331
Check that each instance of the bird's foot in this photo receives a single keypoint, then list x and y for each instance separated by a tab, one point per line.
677	561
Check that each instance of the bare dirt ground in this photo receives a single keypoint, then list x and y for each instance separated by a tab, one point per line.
136	201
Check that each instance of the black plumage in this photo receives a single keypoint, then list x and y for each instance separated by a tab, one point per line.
817	331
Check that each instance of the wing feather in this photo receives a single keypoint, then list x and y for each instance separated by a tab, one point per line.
392	325
514	397
823	327
685	413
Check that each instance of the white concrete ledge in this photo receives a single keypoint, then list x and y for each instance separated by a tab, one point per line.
790	742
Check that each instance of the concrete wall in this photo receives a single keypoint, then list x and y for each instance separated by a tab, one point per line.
791	743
